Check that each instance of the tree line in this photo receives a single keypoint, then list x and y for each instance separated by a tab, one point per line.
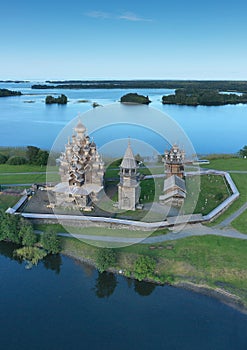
33	155
18	230
135	98
205	97
221	85
7	92
62	100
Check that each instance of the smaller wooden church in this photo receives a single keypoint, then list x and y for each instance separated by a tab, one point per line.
174	191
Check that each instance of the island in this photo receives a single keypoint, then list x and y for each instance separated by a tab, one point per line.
204	97
62	100
6	93
14	81
134	98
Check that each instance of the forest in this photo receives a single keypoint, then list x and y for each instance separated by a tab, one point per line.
204	97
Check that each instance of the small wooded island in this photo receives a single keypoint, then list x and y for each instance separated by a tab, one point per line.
204	97
7	92
135	98
62	100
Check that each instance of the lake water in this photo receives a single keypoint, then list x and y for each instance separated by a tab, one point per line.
211	129
61	304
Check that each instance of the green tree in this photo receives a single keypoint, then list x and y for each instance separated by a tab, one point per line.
105	258
3	158
144	267
16	160
49	100
243	152
28	236
32	153
6	92
9	229
60	100
50	241
135	98
42	157
139	158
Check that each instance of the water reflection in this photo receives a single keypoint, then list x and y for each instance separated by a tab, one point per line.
53	262
50	262
144	288
7	250
105	284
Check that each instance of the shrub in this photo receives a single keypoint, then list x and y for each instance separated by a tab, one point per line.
105	258
144	267
3	158
16	160
32	254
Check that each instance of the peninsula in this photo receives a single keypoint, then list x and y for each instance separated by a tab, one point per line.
7	92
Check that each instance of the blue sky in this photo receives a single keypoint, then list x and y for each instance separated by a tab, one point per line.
156	39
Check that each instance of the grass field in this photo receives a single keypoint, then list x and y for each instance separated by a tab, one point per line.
240	181
240	223
100	231
227	164
212	191
23	168
7	201
17	174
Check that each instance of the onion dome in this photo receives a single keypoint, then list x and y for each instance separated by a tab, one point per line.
80	128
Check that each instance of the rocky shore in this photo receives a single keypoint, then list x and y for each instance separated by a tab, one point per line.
222	295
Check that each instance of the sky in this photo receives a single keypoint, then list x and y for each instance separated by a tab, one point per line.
156	39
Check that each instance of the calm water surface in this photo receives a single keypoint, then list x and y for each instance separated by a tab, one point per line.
62	304
211	129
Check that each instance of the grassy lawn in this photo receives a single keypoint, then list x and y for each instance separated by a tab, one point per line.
215	261
24	168
227	164
16	174
26	178
7	200
240	181
212	191
151	189
240	223
99	231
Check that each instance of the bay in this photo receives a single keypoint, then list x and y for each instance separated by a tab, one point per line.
216	129
64	304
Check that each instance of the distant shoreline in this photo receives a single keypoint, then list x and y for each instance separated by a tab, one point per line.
221	85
